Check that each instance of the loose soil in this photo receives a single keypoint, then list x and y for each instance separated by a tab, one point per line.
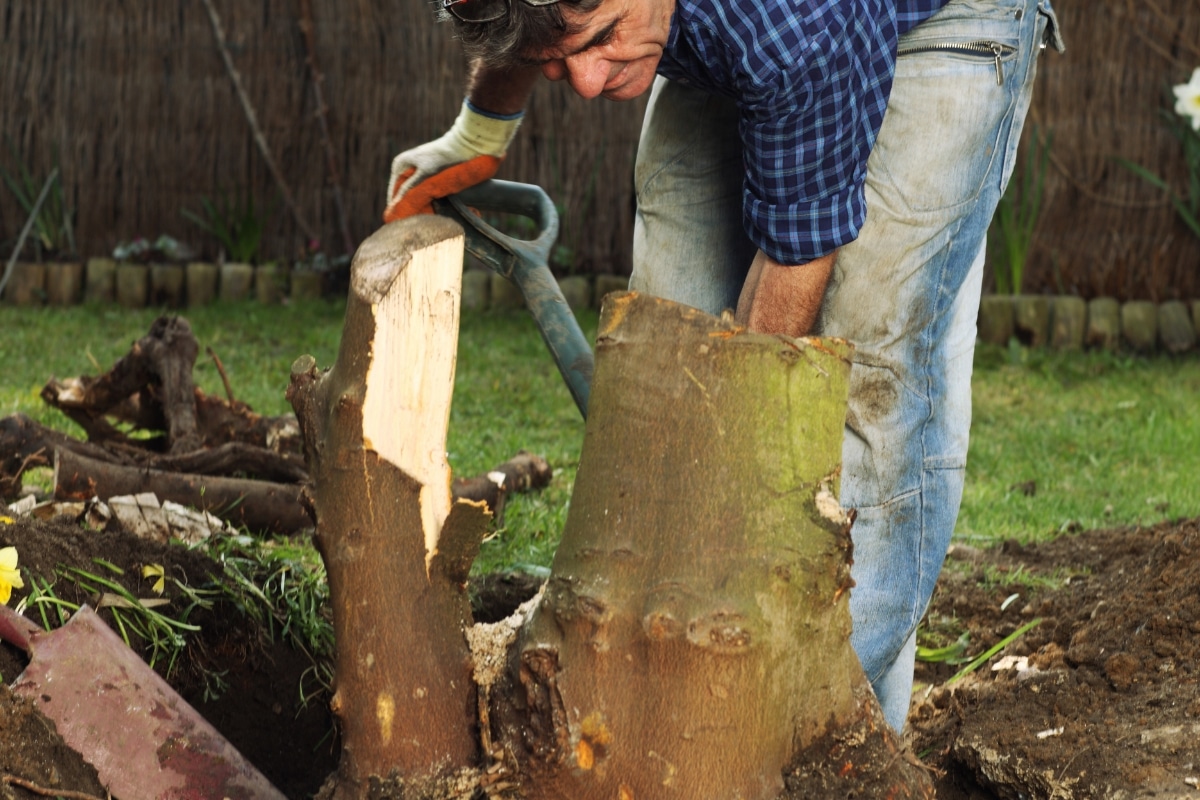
1106	703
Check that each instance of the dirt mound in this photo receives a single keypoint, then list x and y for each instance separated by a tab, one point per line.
1102	698
231	671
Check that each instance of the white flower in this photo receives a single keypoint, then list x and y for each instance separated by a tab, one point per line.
1187	99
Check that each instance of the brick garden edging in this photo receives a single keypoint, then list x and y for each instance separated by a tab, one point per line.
1061	322
136	285
1065	322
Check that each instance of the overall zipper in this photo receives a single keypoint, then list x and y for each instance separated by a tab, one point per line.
997	51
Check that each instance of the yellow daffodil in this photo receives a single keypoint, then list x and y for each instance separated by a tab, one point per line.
155	571
1187	99
10	577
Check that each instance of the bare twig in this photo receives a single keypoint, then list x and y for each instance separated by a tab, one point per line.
252	120
37	206
45	792
307	27
221	371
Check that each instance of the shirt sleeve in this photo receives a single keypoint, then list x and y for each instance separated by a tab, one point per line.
812	85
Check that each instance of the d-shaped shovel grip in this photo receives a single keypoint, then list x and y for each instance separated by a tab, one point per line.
526	263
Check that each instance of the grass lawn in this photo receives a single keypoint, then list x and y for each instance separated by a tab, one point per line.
1059	442
1069	442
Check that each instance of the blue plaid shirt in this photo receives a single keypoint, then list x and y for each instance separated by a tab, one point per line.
811	78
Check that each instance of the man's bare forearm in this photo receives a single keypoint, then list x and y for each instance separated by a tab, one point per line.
503	90
783	299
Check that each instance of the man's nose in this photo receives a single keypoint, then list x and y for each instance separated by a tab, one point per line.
587	73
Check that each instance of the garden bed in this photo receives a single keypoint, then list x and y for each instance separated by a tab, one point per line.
1107	704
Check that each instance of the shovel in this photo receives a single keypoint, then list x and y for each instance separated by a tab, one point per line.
526	263
144	740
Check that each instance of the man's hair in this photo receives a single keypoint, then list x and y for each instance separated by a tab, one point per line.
523	33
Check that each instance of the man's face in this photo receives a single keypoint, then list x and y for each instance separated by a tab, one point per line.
616	52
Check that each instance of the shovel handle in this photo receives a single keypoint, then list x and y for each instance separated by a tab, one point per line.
526	263
16	629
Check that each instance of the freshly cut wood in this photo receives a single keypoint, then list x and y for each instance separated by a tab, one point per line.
397	550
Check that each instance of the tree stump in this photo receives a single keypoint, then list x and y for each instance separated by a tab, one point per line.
693	637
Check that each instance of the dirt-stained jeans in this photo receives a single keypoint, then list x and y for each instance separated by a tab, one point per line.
906	292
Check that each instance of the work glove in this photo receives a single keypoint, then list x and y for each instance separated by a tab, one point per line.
470	153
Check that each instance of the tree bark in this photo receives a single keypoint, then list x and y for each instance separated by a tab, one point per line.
397	552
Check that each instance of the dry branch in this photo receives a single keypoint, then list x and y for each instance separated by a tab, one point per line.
235	77
257	505
307	27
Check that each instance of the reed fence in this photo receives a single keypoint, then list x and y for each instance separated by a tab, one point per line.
136	106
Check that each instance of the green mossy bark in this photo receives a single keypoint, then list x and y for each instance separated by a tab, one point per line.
694	631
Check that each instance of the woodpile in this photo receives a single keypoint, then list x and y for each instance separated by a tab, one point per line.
150	431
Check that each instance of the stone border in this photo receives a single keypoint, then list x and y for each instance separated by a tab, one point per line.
166	285
483	289
1065	322
1060	322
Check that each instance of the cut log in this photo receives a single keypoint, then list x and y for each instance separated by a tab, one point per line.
523	472
257	505
26	444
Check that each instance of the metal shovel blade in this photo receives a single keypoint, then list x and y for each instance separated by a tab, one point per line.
144	740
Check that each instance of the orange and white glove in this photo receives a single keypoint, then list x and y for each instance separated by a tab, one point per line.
470	153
